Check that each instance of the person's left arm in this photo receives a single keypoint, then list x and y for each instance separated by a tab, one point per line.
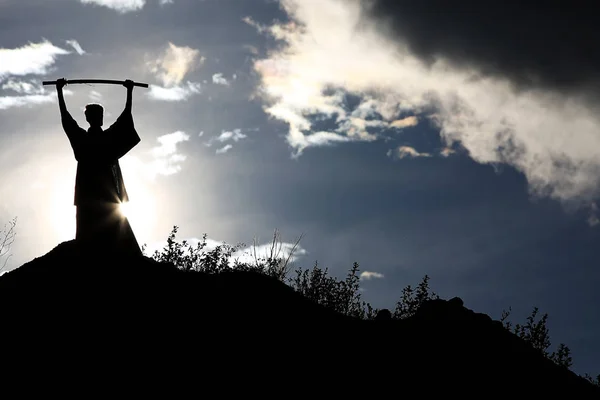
122	135
128	103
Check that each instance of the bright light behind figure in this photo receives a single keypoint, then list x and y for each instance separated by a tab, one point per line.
140	214
141	209
125	209
60	211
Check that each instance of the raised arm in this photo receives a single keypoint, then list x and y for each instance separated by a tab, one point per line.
67	120
72	129
121	136
129	85
60	83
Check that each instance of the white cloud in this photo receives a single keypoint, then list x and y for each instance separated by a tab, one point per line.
447	152
367	275
259	27
75	45
406	151
33	58
7	102
329	44
163	2
168	143
224	149
171	68
323	139
404	122
174	64
121	6
235	135
42	97
95	96
219	80
174	93
23	87
167	160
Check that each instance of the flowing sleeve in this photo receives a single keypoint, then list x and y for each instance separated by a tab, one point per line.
121	136
76	136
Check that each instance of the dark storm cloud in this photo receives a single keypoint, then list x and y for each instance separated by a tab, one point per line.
534	44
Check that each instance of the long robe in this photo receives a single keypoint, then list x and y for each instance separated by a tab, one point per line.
99	185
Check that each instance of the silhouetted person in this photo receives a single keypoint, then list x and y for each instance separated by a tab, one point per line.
99	186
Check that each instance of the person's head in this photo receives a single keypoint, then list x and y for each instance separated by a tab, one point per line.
94	113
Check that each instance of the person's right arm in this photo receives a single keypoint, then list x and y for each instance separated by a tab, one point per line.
69	124
65	117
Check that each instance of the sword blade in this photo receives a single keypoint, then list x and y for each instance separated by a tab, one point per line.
103	81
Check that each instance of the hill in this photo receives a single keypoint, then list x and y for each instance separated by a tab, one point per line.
136	316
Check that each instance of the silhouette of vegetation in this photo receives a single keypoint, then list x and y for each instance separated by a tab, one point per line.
341	295
595	381
189	257
537	334
413	298
7	238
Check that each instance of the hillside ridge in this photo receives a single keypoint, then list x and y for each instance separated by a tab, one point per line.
68	299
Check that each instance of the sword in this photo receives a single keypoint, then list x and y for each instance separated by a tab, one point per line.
107	81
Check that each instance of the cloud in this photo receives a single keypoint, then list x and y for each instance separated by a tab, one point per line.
333	49
163	2
447	152
121	6
406	151
219	80
30	95
175	63
224	149
404	122
23	87
167	161
75	45
33	58
532	45
297	88
251	49
95	96
235	135
7	102
367	275
171	68
259	27
174	93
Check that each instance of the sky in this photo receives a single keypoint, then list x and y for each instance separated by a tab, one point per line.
462	143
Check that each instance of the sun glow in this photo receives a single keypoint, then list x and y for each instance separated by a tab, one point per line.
61	212
139	214
140	211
